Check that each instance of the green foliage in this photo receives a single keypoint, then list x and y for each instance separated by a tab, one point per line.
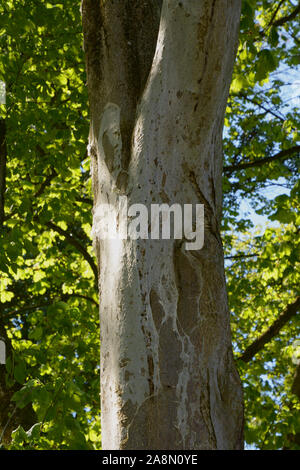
263	263
48	298
259	288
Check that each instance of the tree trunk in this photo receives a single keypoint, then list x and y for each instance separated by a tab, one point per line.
158	85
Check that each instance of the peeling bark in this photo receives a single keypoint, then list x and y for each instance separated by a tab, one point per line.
157	94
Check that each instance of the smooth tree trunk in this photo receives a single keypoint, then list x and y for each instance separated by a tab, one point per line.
158	78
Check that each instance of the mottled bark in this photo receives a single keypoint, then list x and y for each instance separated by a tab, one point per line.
158	93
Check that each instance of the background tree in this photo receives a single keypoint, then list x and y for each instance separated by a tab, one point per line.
262	168
49	310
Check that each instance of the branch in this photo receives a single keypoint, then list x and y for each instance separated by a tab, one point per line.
45	183
7	423
260	105
258	344
63	297
86	200
70	239
241	256
285	19
28	308
228	170
275	13
281	21
3	157
80	296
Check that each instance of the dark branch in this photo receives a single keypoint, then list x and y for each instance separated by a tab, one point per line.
48	303
281	21
241	256
72	241
80	296
85	200
275	13
257	345
63	297
283	154
261	106
46	183
28	308
286	19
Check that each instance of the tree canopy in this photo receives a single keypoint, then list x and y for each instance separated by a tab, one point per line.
49	387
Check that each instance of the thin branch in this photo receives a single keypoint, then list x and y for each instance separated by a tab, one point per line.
258	344
281	21
63	297
260	105
275	13
46	183
241	256
86	200
286	19
283	154
28	308
295	38
7	423
70	239
80	296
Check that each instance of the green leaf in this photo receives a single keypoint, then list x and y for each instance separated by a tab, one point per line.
20	372
266	64
19	435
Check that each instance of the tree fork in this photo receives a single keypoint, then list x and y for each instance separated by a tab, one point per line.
158	84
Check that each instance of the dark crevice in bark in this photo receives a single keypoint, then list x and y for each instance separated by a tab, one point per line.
210	218
119	42
211	427
157	310
151	373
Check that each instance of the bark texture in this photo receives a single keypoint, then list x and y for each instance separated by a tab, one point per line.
158	82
